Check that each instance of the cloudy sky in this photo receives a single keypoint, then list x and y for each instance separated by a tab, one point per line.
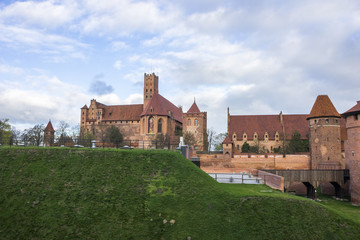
256	57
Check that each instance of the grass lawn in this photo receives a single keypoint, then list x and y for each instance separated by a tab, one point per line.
62	193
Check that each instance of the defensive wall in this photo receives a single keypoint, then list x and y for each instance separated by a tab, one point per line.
219	163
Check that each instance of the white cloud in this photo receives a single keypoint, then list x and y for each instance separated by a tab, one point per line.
37	41
4	68
124	17
40	99
118	64
49	14
118	45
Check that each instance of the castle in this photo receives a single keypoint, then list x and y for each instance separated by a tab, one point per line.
141	123
328	132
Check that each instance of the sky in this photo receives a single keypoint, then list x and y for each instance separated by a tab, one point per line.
255	57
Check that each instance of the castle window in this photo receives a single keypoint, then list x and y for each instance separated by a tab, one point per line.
196	122
315	121
238	147
151	125
327	120
189	122
146	90
150	90
356	117
160	125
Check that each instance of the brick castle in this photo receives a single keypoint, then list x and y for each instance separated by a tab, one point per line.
141	123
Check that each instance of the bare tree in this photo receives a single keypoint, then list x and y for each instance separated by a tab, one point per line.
15	136
75	132
62	129
211	137
189	139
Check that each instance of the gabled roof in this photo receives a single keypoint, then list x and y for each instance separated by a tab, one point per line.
260	124
227	140
158	105
49	127
194	108
323	107
354	110
121	112
85	107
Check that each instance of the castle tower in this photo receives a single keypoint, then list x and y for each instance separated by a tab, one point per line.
49	133
325	141
195	122
83	116
352	150
151	86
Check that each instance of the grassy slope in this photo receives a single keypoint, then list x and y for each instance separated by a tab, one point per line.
110	194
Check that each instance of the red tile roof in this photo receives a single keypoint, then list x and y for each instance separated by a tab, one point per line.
271	124
323	107
194	108
49	127
227	140
158	105
354	110
121	112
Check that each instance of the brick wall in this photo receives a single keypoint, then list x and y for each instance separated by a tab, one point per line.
247	163
352	153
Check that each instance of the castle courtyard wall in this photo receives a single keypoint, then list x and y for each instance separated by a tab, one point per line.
219	163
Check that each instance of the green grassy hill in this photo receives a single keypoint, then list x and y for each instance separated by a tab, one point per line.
113	194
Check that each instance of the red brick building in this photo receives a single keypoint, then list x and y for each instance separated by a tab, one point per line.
139	123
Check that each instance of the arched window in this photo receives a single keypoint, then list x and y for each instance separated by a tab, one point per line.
196	122
160	125
151	125
189	122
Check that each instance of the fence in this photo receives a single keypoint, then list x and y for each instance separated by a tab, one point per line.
239	178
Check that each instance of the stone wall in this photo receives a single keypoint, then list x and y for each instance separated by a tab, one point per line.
218	163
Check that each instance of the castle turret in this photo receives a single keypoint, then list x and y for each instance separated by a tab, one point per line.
352	150
151	86
324	128
49	134
195	122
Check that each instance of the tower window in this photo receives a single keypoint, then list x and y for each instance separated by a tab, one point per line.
189	122
315	121
196	122
327	120
356	117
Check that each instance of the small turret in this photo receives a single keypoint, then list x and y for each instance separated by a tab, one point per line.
49	134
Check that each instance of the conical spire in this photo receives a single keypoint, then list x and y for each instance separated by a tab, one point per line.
194	108
49	127
323	107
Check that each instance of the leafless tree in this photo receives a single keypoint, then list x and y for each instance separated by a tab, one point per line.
211	137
